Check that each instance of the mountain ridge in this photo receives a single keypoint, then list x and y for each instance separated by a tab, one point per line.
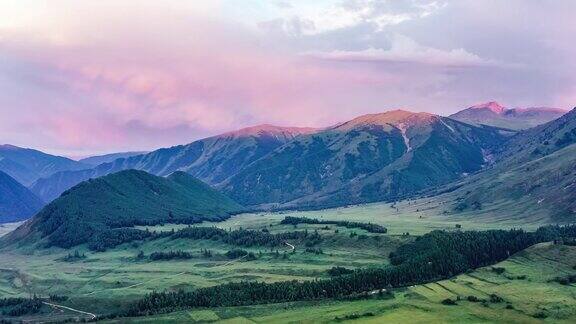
372	157
211	159
28	165
494	114
535	169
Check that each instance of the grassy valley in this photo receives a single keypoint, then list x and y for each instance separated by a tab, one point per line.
482	296
106	282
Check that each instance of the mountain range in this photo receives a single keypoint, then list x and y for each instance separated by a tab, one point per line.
212	160
16	201
370	158
494	114
28	165
375	157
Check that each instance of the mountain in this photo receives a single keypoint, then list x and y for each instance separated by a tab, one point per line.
212	160
28	165
124	199
535	173
373	157
494	114
16	201
99	159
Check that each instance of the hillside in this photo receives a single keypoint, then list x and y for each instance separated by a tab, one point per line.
124	199
27	165
494	114
535	170
16	202
107	158
373	157
212	160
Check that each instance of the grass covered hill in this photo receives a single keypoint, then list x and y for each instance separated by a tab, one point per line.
16	201
120	200
371	158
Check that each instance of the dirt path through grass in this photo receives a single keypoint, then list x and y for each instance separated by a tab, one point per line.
92	315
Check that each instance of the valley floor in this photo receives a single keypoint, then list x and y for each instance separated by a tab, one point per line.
533	298
105	282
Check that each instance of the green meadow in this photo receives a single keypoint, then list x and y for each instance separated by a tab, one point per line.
105	282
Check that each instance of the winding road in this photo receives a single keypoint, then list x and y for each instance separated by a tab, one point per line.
92	315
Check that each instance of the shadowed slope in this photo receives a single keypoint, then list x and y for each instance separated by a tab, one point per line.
16	202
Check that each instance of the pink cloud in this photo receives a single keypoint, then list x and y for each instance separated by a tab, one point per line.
168	74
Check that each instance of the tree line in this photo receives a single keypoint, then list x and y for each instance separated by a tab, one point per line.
243	237
372	228
104	240
170	255
434	256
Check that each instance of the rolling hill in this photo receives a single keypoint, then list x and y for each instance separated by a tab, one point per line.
494	114
212	160
16	201
373	157
535	170
124	199
28	165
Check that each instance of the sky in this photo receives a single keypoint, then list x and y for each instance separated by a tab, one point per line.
82	77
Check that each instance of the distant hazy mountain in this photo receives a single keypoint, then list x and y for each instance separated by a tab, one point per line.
493	114
27	165
99	159
16	201
124	199
212	159
373	157
535	173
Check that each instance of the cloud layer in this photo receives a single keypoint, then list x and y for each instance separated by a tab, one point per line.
84	77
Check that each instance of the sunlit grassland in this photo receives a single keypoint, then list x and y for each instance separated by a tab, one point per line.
534	299
107	281
104	282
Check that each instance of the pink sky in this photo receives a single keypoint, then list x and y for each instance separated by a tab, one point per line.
83	77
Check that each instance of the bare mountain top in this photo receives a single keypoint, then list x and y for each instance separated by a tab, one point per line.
494	114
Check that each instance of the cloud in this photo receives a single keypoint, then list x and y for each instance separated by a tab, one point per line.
136	75
406	50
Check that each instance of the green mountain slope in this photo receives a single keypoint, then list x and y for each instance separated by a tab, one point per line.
27	165
493	114
124	199
536	170
373	157
212	159
16	201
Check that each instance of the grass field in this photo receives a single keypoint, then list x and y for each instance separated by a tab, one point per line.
531	300
105	282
